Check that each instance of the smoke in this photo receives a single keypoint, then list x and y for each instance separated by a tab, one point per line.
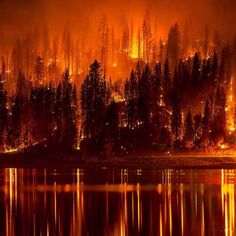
22	16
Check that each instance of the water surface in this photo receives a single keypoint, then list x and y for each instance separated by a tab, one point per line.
117	202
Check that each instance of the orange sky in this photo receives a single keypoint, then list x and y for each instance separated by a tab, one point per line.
23	15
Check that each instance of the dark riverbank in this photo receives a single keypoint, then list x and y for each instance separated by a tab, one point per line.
148	161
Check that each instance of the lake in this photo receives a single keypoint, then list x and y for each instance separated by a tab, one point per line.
117	202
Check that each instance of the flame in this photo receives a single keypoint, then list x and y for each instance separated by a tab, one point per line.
230	109
12	150
224	146
228	202
134	50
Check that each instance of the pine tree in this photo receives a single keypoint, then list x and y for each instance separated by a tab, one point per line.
49	112
198	130
22	87
146	38
112	127
206	124
176	119
131	94
219	120
144	99
166	84
214	68
93	103
39	71
3	113
157	86
103	32
188	131
173	46
206	42
15	129
196	70
161	52
69	106
59	114
74	117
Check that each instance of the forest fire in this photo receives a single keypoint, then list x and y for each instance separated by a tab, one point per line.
151	69
168	85
117	117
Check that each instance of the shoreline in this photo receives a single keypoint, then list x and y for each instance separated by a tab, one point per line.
144	161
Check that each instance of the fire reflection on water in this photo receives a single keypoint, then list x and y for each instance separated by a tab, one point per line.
124	202
228	199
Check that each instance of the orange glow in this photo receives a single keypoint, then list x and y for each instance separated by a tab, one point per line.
230	108
134	50
224	146
228	201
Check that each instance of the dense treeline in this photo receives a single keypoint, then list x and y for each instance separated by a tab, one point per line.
168	103
160	110
39	114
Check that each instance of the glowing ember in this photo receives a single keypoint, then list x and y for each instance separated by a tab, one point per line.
224	146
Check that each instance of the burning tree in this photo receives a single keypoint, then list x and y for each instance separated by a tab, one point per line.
93	105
